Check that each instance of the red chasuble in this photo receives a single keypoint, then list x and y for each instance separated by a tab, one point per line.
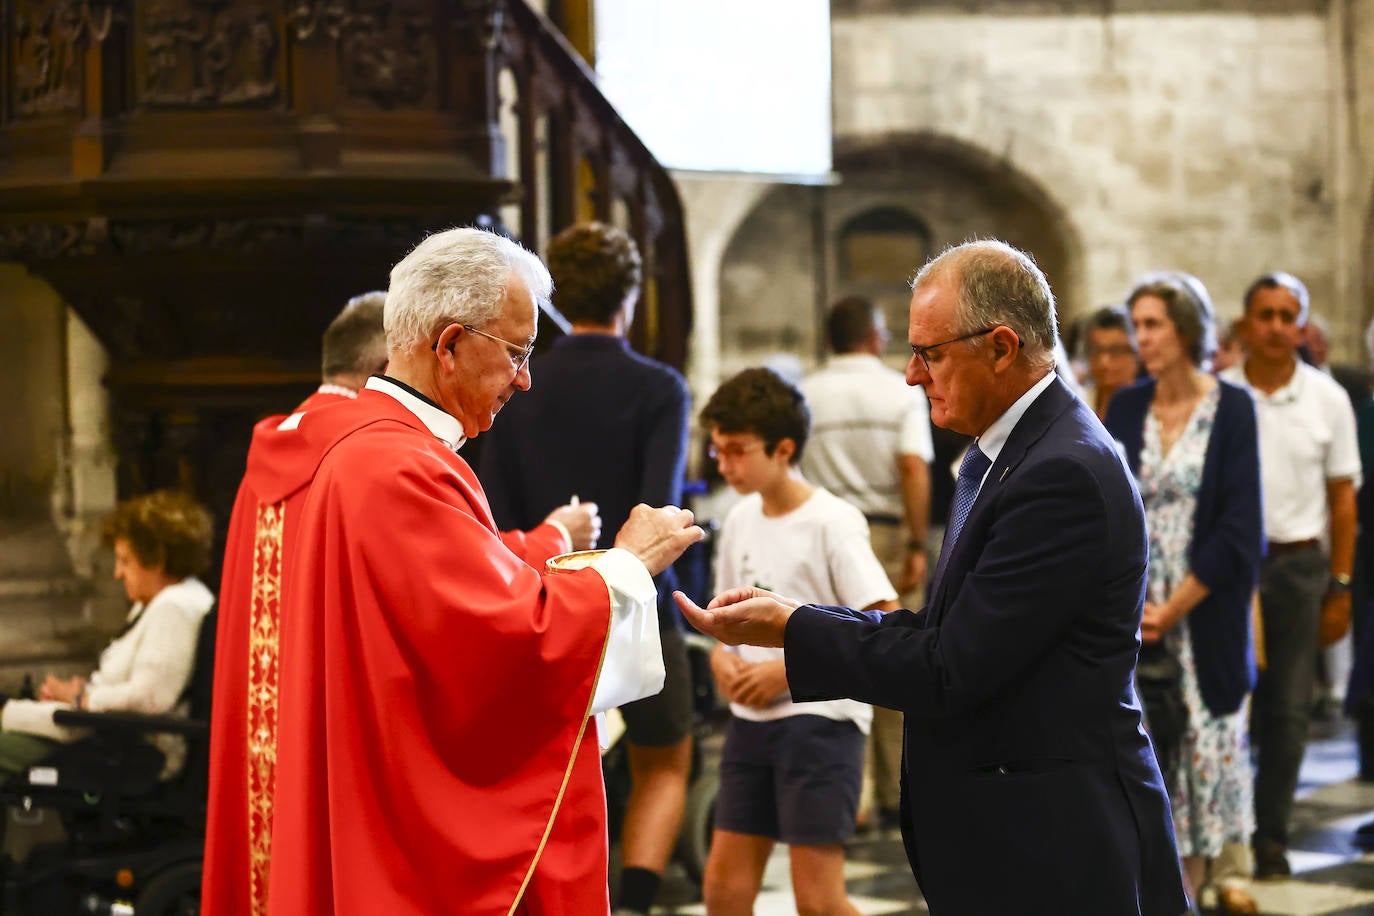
244	711
434	753
238	844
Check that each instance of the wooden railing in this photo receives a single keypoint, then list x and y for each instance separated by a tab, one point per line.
575	158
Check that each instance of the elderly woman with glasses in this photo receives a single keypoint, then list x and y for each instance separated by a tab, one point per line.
161	541
1192	442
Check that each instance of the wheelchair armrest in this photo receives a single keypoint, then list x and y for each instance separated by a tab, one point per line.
129	722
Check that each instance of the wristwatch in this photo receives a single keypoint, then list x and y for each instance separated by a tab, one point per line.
1339	584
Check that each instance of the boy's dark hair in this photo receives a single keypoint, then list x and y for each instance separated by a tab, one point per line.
594	267
760	401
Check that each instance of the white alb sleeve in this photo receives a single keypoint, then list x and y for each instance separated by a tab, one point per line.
633	666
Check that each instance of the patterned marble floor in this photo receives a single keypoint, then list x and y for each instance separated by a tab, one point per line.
1332	877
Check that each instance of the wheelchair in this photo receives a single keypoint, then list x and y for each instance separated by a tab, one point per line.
134	842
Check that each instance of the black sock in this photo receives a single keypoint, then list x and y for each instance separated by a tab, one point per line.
638	888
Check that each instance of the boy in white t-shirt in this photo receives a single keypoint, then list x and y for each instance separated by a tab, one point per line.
789	772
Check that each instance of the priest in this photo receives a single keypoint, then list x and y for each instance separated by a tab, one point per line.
434	752
280	466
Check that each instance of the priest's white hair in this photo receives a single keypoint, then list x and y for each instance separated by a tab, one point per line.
458	276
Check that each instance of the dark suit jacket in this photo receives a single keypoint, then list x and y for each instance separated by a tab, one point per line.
1228	536
1029	785
600	421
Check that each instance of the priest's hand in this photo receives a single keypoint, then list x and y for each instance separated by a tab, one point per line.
741	616
658	536
583	522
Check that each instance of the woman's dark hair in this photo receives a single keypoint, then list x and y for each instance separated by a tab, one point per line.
164	529
1109	318
760	401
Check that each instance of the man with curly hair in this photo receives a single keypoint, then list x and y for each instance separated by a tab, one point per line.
616	424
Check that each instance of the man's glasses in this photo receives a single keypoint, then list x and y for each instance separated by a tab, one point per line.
923	352
519	355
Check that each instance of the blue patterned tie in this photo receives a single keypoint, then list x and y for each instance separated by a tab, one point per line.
971	471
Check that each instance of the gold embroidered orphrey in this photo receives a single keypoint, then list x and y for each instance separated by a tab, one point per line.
263	641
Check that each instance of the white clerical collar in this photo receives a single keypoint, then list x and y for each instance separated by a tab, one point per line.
995	436
444	426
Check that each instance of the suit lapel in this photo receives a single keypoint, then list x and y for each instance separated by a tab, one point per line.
1028	431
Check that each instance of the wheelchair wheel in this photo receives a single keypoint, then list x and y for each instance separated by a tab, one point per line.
174	892
698	820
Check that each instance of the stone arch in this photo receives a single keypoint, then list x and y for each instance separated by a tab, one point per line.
879	244
961	190
784	262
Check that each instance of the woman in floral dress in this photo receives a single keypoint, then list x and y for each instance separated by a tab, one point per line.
1192	443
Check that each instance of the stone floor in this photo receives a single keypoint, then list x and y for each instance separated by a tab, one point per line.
1332	877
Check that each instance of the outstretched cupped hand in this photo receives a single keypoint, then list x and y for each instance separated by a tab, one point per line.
743	616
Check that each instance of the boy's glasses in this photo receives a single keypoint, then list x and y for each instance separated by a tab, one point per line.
733	452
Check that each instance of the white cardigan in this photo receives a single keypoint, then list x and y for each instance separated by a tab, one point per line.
143	670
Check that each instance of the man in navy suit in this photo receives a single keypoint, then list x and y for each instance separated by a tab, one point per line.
1029	785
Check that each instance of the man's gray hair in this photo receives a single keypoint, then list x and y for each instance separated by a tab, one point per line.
999	285
456	276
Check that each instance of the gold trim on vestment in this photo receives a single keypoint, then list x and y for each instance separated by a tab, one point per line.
263	642
567	773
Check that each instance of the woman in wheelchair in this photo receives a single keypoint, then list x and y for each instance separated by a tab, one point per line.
160	541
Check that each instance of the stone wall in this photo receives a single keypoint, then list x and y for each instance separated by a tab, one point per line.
58	603
1193	140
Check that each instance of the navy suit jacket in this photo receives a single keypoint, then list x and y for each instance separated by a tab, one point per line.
600	421
1028	782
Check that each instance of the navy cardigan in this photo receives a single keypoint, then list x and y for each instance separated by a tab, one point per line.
1228	536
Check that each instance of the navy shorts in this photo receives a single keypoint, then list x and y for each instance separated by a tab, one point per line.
665	718
795	780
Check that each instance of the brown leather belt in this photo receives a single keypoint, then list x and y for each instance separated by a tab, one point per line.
1279	548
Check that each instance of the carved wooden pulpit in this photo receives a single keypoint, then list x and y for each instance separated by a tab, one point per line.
206	182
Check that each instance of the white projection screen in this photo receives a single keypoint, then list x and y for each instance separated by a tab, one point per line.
721	85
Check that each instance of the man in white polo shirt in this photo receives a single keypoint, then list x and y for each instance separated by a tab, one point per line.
871	446
1310	466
